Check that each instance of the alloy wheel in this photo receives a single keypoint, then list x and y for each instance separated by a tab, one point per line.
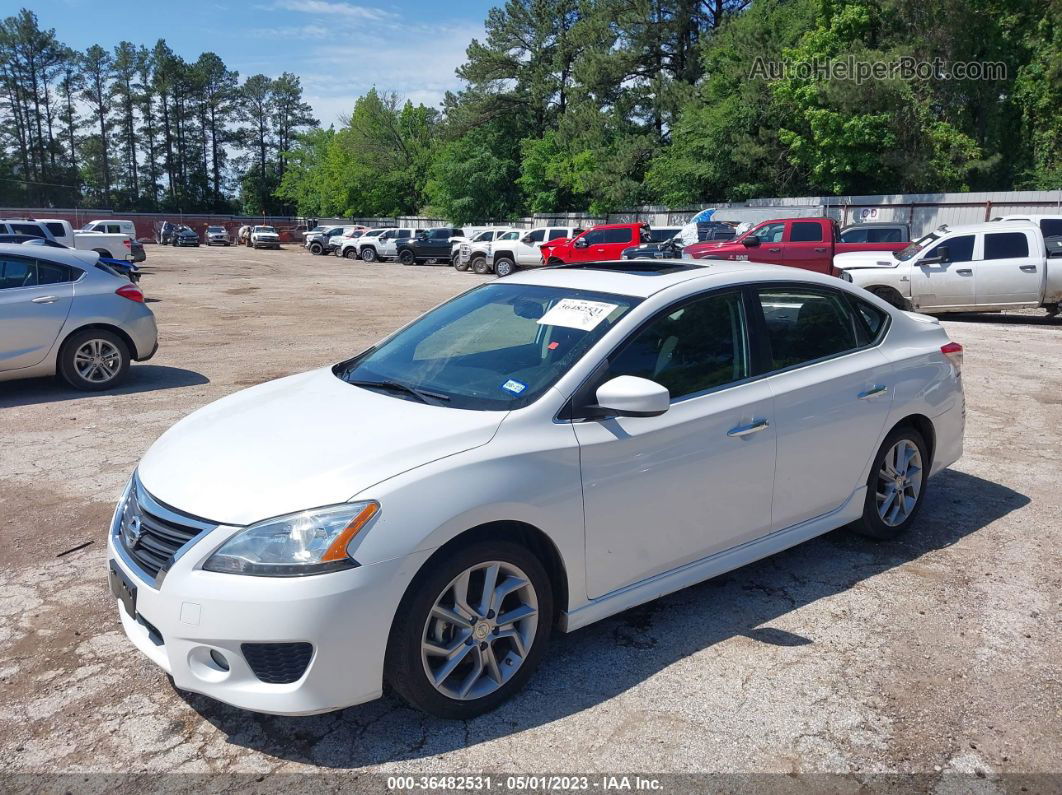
899	482
480	630
97	361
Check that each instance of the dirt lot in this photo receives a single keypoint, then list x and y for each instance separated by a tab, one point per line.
939	653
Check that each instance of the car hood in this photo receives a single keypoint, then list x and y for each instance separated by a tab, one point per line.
300	442
865	259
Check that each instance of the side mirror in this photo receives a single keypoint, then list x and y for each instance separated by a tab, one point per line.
581	243
751	240
631	396
940	256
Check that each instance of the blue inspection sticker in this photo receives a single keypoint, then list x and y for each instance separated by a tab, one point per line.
514	386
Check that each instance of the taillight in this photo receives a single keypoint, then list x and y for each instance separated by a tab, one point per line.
127	243
132	292
953	351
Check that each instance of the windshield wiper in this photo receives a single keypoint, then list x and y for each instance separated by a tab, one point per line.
422	395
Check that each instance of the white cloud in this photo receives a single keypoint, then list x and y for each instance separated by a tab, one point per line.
332	8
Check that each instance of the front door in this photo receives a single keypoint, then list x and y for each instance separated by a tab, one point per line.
832	393
35	299
1009	272
660	492
948	284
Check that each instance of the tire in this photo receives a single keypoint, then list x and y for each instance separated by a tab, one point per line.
94	354
885	517
504	266
891	296
407	257
480	266
351	253
461	266
316	249
417	626
368	254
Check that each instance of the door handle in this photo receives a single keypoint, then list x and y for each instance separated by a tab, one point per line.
753	427
964	271
875	391
774	250
819	250
1028	268
45	299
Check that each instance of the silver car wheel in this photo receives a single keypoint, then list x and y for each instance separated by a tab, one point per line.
899	482
479	630
97	361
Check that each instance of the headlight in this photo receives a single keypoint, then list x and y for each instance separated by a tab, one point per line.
308	542
845	276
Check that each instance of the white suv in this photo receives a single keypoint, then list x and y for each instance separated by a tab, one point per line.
534	455
521	251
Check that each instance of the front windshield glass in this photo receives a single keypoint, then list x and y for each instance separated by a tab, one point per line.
215	229
266	229
496	347
905	254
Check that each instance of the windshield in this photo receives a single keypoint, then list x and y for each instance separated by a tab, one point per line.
905	254
496	347
266	229
215	229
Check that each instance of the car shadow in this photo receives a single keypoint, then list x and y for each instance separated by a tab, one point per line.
599	662
1002	318
141	378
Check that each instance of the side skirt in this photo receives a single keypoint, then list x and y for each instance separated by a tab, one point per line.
706	568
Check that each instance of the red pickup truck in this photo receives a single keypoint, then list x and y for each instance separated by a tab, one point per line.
602	242
808	243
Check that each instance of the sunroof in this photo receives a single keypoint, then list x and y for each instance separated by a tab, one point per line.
638	267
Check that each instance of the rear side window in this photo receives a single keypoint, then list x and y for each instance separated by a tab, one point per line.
1004	245
804	325
871	320
28	229
885	235
609	235
404	232
805	232
16	272
56	229
554	234
1051	227
54	273
694	347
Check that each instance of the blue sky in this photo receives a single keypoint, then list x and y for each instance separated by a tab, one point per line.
340	49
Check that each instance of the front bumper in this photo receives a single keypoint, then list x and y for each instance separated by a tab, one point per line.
188	242
346	616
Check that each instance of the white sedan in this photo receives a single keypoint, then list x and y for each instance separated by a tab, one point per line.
534	455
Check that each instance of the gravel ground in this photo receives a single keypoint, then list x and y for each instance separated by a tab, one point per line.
939	653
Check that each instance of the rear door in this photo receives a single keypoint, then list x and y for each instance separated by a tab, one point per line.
35	299
807	245
832	389
1010	271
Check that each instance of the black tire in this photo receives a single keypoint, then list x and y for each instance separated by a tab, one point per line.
504	266
316	249
68	368
480	266
404	666
872	524
368	254
351	253
461	266
407	257
891	296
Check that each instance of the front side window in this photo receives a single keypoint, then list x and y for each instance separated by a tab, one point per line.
854	236
694	347
1051	227
805	232
770	233
497	347
804	325
960	249
1006	245
27	229
509	236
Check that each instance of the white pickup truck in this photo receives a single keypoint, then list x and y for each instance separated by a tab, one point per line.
986	267
116	245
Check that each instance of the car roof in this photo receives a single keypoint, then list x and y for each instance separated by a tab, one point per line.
65	256
642	278
1029	217
986	226
858	225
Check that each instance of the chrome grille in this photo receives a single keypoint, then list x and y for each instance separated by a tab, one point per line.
154	534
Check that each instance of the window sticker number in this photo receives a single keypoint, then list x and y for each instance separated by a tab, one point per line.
577	313
514	386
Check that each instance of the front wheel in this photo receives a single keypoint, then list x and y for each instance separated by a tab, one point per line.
471	630
407	258
461	264
896	487
316	248
368	254
504	266
351	253
480	266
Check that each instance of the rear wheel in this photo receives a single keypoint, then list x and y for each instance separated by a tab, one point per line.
461	265
94	359
351	253
897	485
480	266
368	254
471	630
407	257
316	248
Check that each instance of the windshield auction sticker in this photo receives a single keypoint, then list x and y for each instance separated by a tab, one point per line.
577	313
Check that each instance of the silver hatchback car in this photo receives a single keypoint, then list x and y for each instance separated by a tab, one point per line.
62	311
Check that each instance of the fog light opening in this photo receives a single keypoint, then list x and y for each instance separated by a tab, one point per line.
219	659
